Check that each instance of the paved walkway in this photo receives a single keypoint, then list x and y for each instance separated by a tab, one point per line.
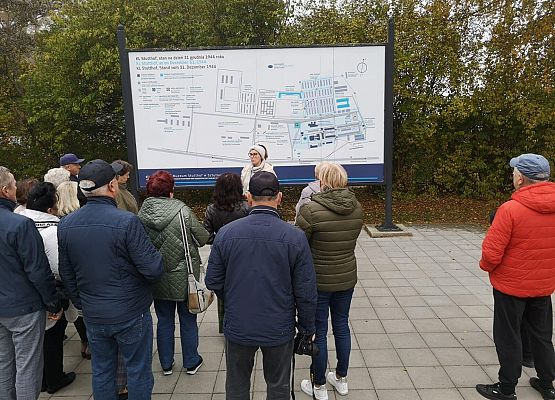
421	322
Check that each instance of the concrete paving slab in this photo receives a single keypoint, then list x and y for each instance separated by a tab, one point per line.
429	377
439	394
421	322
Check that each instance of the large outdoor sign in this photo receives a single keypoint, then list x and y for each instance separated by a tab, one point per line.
196	113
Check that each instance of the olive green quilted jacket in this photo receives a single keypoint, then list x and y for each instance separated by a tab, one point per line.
332	221
160	215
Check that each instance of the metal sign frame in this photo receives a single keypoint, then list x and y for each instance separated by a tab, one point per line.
388	111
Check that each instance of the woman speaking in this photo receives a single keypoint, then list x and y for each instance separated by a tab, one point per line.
258	155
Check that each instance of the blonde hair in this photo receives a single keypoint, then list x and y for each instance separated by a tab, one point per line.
67	198
56	176
317	169
333	176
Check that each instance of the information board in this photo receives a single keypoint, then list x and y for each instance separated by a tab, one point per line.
197	112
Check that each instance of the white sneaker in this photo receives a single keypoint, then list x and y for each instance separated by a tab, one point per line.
338	384
168	371
320	392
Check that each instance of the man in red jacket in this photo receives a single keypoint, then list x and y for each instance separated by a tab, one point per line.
519	254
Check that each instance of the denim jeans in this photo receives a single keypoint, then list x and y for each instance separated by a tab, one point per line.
165	311
134	340
339	304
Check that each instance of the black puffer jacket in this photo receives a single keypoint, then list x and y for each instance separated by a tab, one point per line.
332	222
215	218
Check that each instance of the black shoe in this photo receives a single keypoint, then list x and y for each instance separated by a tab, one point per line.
528	363
547	394
493	392
193	370
66	380
123	396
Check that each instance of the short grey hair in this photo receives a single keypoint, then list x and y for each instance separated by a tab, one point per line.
259	199
56	176
529	181
5	177
84	185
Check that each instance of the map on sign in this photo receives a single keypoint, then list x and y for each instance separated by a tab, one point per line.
196	113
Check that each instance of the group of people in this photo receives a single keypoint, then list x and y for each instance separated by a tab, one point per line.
46	204
268	271
80	249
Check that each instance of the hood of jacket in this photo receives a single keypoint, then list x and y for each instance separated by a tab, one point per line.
42	220
340	201
157	212
539	197
314	186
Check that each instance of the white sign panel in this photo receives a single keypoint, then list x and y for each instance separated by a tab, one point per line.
196	113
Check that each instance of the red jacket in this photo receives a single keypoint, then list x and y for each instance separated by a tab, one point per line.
519	248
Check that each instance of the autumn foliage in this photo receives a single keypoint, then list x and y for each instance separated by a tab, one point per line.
474	79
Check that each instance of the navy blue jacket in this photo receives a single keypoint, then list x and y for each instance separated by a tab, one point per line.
26	281
262	267
107	262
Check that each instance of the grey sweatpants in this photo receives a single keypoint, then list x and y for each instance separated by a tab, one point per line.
21	359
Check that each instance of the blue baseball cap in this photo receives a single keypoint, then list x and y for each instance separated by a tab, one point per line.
70	158
532	166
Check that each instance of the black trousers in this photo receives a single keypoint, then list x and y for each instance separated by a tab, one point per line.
81	329
509	313
53	349
526	348
277	370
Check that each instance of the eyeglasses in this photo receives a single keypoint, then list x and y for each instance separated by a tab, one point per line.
253	154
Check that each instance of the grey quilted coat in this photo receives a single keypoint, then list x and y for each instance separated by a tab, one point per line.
160	215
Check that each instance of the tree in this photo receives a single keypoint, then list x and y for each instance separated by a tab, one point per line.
73	95
19	20
474	79
473	83
246	22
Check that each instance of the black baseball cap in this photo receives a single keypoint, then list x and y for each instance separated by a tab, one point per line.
264	184
99	172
